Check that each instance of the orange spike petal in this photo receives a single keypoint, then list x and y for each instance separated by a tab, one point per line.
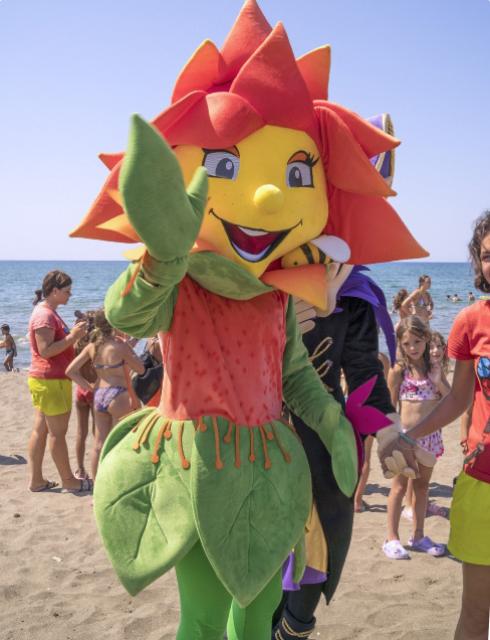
121	225
347	165
249	31
110	159
372	139
116	196
315	69
170	116
204	69
307	282
375	231
268	92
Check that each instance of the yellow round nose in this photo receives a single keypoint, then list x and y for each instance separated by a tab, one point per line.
268	198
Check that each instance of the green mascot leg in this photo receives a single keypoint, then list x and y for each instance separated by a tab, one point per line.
204	602
255	621
206	605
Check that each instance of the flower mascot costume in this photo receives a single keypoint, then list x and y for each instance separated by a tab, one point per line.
213	482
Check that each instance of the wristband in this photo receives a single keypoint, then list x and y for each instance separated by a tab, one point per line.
408	439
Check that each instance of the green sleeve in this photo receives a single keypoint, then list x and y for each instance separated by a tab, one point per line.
148	306
306	396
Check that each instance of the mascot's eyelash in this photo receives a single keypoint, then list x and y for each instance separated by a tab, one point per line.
311	160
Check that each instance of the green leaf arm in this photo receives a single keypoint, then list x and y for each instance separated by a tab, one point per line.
306	396
146	307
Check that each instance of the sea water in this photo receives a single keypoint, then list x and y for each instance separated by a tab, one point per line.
19	280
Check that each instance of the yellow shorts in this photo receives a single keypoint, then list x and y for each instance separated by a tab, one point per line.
469	539
51	396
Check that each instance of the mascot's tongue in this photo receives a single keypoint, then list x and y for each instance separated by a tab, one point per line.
251	244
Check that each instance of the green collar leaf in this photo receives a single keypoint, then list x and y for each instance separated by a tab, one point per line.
224	277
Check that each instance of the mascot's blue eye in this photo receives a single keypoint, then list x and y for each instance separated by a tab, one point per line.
299	174
221	164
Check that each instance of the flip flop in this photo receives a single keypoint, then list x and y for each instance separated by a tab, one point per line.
45	487
426	545
86	486
364	507
433	509
394	550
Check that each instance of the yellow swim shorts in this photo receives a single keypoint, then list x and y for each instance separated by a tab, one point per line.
469	539
51	396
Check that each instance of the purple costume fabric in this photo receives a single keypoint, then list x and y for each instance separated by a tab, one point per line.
360	285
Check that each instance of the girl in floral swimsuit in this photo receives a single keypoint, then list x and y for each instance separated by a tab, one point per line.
416	386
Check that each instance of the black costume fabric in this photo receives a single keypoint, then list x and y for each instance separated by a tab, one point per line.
345	341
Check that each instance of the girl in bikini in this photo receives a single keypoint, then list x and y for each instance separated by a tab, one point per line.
419	302
112	358
416	386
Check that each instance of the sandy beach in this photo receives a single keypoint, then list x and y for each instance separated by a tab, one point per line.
57	583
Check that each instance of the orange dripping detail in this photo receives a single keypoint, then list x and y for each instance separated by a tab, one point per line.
134	275
285	454
269	434
218	463
154	456
227	436
201	425
141	425
267	460
148	427
251	457
183	460
237	447
167	434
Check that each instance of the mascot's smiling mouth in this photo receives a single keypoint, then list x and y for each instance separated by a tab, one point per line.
253	245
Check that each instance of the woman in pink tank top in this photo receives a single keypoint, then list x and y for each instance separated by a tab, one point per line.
51	344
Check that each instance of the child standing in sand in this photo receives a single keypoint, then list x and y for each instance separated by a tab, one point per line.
111	358
416	386
84	398
10	349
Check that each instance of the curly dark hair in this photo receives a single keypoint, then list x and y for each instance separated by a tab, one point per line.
480	230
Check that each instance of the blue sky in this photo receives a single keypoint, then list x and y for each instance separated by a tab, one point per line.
73	71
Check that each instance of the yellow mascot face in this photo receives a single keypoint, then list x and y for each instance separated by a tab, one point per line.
267	195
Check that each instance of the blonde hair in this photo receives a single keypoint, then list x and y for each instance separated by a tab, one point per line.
445	358
413	324
102	329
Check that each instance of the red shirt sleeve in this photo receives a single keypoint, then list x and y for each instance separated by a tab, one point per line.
458	344
43	318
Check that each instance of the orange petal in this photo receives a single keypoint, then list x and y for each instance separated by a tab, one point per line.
307	282
204	69
315	69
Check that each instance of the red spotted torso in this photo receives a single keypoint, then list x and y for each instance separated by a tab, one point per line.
223	357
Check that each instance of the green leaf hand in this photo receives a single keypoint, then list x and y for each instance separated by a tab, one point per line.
166	216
